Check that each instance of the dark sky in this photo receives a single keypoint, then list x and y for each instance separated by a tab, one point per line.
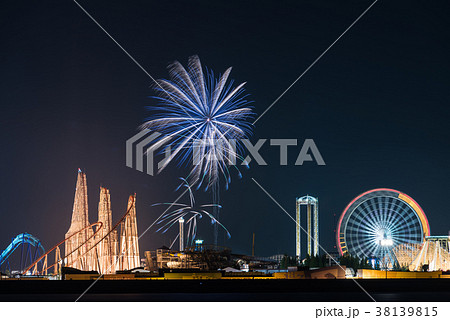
376	105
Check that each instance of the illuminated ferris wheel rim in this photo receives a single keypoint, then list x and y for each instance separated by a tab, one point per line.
401	196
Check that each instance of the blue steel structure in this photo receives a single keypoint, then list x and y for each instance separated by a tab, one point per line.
28	255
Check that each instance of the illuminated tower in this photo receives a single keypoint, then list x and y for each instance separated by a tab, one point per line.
77	246
129	246
312	238
181	235
107	249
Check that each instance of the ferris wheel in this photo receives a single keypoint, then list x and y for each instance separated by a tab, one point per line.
377	221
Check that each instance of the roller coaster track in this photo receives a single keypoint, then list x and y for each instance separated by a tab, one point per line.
22	240
59	260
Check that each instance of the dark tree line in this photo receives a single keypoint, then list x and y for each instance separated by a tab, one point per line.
346	260
315	261
288	261
354	262
310	261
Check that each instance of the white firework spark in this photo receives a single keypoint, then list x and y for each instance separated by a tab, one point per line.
201	116
189	212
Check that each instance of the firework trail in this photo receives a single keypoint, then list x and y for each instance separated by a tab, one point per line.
203	117
189	212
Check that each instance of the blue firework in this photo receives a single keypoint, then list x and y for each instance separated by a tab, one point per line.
202	119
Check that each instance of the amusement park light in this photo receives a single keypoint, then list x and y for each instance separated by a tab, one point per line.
386	242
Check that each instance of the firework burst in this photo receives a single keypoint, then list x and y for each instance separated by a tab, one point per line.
201	118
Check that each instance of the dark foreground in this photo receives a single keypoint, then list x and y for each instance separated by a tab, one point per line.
228	290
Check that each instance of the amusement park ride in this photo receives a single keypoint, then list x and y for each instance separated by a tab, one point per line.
29	246
88	247
390	226
312	205
378	220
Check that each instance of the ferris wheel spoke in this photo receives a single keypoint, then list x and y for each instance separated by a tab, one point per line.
408	214
382	213
376	215
406	231
360	222
369	205
379	215
359	226
404	237
405	219
371	246
403	215
401	218
383	209
366	242
393	212
396	220
354	241
398	225
391	205
406	227
407	238
361	249
368	215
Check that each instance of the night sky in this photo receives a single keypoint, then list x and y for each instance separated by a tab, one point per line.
376	105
